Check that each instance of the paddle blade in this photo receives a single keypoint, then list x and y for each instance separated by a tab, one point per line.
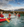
7	20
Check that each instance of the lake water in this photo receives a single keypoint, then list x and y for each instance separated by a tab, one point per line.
14	22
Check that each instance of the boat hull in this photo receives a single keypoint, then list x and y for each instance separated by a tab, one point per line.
2	20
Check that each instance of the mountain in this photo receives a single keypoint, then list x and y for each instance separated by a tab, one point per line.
1	10
19	9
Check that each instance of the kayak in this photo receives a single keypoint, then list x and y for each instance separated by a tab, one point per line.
3	19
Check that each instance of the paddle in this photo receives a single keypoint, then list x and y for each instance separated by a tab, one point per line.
7	20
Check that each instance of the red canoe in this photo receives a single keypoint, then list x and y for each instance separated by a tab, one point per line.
2	20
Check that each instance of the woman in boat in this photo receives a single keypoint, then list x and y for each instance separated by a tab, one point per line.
2	16
9	15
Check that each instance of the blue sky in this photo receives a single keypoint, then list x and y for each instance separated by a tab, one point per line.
11	4
17	3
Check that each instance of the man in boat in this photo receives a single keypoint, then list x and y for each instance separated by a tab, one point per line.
1	15
9	15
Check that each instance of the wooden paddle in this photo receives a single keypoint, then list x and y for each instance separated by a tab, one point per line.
7	20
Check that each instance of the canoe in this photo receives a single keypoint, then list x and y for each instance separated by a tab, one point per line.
3	19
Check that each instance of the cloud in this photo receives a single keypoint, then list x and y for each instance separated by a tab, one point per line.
10	0
17	0
12	8
18	3
18	7
4	3
9	5
23	1
5	6
23	4
14	0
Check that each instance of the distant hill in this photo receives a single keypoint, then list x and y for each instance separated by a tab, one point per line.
19	9
1	10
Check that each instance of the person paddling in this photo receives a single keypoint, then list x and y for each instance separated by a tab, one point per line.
19	15
15	14
9	15
1	15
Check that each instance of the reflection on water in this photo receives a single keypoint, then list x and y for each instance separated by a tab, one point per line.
14	22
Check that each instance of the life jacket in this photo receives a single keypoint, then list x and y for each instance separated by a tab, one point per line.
1	15
19	15
9	14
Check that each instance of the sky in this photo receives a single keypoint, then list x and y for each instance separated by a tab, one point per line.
11	4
